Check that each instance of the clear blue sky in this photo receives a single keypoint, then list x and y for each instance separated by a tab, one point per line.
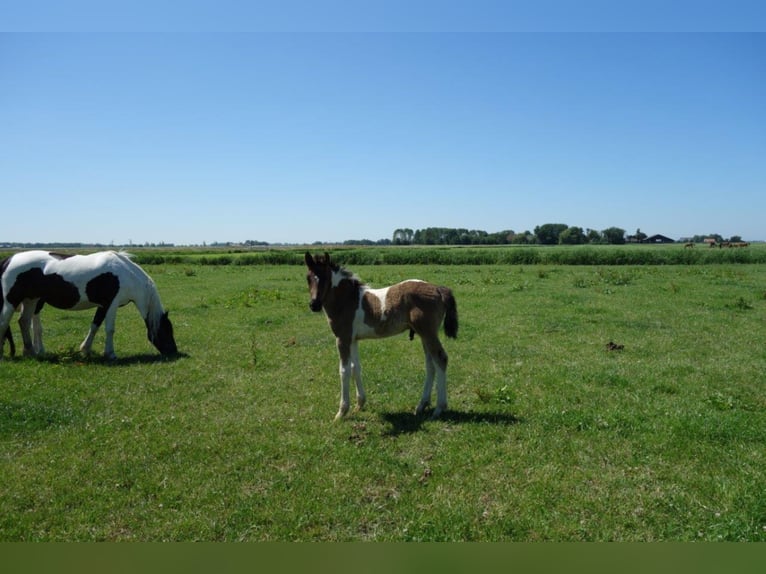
299	137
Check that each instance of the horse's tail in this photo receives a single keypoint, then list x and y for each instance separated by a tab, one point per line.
7	335
450	318
3	266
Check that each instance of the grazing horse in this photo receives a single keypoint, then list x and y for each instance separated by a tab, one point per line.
355	311
106	280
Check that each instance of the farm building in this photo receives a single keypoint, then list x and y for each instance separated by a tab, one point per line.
659	239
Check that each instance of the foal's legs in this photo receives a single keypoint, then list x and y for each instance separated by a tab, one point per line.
429	382
344	349
436	364
356	368
349	365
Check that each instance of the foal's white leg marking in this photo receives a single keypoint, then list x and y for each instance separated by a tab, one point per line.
441	391
436	367
429	382
350	368
345	374
356	368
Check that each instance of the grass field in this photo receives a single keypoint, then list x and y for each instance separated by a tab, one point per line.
550	435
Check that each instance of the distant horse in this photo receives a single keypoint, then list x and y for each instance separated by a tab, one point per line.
106	280
355	312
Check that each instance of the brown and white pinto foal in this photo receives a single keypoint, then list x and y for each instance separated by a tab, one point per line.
355	312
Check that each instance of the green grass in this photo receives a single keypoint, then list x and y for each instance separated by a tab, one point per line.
550	436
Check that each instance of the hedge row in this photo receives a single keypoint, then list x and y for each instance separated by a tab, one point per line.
598	255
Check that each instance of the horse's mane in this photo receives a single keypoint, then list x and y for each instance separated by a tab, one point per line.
348	274
154	308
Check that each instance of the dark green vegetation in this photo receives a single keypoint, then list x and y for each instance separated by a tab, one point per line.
551	436
439	255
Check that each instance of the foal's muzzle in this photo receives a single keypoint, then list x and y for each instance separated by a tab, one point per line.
315	305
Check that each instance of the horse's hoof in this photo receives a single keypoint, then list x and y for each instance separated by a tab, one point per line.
421	409
436	414
341	413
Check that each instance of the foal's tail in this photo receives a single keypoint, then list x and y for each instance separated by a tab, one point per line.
450	319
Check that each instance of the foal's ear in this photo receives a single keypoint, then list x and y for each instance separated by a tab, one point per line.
310	263
327	257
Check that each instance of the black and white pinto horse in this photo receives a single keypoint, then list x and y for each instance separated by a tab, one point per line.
106	280
355	312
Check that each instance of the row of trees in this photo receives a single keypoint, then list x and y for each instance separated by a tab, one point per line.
546	234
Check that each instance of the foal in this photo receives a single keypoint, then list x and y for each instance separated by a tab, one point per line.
355	311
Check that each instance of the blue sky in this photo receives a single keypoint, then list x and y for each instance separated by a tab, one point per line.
299	137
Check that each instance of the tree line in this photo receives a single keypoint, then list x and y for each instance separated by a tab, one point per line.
546	234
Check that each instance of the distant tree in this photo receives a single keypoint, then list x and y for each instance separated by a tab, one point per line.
640	235
525	238
735	239
403	236
614	235
548	233
572	236
593	236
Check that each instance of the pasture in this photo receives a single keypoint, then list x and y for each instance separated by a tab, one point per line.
551	434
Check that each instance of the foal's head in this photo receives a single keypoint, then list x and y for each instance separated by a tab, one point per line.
319	278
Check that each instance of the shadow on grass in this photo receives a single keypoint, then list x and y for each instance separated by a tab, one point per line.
75	357
144	358
408	422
